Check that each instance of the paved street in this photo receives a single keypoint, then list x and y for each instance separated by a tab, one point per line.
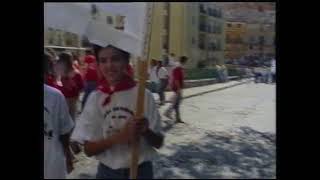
228	134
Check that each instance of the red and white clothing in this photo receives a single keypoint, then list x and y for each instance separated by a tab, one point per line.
162	73
177	74
130	70
71	86
89	59
91	73
106	112
52	82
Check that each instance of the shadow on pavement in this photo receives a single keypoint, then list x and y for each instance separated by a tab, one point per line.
246	154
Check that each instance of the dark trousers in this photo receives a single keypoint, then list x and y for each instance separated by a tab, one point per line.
145	171
176	106
162	88
88	88
273	77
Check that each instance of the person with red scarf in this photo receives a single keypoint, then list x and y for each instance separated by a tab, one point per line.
72	82
90	76
72	85
107	125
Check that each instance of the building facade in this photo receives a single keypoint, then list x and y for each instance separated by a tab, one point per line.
259	37
236	46
192	29
260	40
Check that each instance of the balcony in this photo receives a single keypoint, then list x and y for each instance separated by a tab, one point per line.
215	13
201	9
202	27
201	46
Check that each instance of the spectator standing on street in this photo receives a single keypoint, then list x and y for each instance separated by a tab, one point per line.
154	80
177	78
90	76
51	76
107	125
219	73
163	76
76	63
273	70
57	128
224	73
172	60
72	83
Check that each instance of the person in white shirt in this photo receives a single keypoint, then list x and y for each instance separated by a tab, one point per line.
224	73
107	125
57	128
219	73
163	77
153	77
172	60
273	70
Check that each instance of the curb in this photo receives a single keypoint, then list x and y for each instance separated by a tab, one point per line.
213	90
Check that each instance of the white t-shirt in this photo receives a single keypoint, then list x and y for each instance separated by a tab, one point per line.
163	73
100	122
153	74
273	66
57	121
172	61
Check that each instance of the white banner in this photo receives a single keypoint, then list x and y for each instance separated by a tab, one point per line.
103	35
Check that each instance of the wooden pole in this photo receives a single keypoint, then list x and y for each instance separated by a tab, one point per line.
142	76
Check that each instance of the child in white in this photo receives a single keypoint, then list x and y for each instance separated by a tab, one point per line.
99	122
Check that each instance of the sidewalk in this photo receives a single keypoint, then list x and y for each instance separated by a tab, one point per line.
196	91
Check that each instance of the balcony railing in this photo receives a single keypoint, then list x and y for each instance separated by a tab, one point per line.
202	27
201	46
202	10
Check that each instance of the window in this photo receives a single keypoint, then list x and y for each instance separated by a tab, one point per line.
261	40
202	41
228	39
109	20
239	25
165	42
166	22
260	9
229	25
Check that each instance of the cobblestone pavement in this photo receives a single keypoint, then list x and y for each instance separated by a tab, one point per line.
228	134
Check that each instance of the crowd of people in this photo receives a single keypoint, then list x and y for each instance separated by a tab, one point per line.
171	75
263	69
106	125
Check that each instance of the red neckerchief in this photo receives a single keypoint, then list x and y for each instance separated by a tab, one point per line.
125	84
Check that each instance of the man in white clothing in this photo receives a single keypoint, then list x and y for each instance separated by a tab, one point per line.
153	77
273	70
163	77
